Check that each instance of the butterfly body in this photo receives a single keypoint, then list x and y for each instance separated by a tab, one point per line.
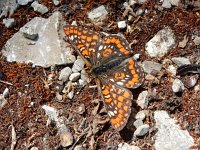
110	62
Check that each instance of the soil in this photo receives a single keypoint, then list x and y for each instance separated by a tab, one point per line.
31	87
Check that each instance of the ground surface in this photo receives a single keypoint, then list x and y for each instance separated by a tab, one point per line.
29	84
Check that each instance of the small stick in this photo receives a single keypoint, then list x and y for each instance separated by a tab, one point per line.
8	83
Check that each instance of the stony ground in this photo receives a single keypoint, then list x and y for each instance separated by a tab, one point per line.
24	124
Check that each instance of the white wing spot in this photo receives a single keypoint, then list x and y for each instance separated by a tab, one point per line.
119	83
100	47
110	113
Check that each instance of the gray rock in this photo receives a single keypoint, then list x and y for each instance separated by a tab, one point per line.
98	14
70	95
172	70
150	66
196	40
137	123
139	12
143	99
39	7
179	61
51	112
140	115
66	137
56	2
7	7
78	147
9	22
141	1
81	109
23	2
65	73
142	130
161	43
177	86
29	32
175	2
78	65
82	82
49	49
169	135
126	146
166	4
74	76
121	24
34	148
183	43
131	2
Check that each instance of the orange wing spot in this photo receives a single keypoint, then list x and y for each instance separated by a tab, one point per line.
79	33
119	45
113	40
80	45
67	31
85	53
72	31
128	85
105	92
89	39
115	121
119	105
114	95
87	44
107	41
119	75
115	102
120	116
75	31
126	94
123	50
121	98
95	37
126	114
107	52
122	122
117	41
126	108
127	52
83	37
133	71
121	111
108	100
119	91
84	31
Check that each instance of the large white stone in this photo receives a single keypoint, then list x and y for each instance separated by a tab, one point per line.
47	50
169	135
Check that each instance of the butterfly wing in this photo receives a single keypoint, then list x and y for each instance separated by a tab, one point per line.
84	41
118	103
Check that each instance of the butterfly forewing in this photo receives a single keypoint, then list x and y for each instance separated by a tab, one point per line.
84	41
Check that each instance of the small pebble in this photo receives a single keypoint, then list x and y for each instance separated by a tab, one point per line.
65	73
29	32
23	2
197	40
34	148
179	61
70	95
140	115
56	2
126	146
137	123
121	24
81	109
74	76
143	99
66	137
78	65
150	66
177	86
142	130
39	7
9	22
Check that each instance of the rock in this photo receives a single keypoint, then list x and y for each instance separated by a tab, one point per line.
183	43
137	123
179	61
139	12
51	112
74	76
70	95
196	40
190	81
131	2
7	7
166	4
65	73
143	99
140	115
197	88
78	147
78	65
23	2
56	2
85	76
82	82
136	56
98	14
66	137
161	43
150	66
9	22
39	7
169	135
141	130
175	2
34	148
126	146
81	109
48	50
58	96
121	24
3	100
141	1
29	32
172	70
177	86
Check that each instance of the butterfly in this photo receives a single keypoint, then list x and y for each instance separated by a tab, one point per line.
113	67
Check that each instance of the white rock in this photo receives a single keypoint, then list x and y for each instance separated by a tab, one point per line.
126	146
78	65
172	70
139	12
70	95
39	7
136	56
150	66
197	40
137	123
166	4
142	130
98	14
143	99
141	1
177	86
78	147
7	8
169	135
23	2
74	76
66	137
65	73
9	22
48	50
175	2
29	32
140	115
121	24
56	2
161	43
197	88
183	43
34	148
51	112
179	61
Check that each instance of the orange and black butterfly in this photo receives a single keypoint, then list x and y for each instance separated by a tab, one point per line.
113	67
